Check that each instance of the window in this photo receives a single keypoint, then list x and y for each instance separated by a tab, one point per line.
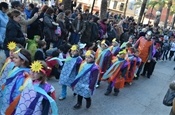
131	6
115	5
108	3
121	6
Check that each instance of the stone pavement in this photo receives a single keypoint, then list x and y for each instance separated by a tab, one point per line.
143	97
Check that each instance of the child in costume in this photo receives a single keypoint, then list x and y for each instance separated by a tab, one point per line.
39	54
133	62
16	79
8	66
32	45
85	81
116	72
40	99
103	58
54	63
115	48
69	70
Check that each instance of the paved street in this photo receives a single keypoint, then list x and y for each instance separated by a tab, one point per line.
143	97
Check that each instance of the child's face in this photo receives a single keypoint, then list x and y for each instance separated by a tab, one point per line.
114	44
103	46
74	52
35	75
44	46
18	62
122	55
11	55
89	59
137	54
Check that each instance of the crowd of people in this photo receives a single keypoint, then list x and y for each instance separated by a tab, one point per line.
78	48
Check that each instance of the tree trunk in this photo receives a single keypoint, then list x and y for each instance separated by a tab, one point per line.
126	5
172	26
103	9
142	11
150	14
92	6
160	9
67	4
168	12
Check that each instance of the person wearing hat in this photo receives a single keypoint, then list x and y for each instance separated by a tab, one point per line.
116	72
85	81
145	47
115	47
69	70
103	58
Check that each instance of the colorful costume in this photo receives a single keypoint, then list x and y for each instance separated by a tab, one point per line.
114	50
37	101
12	87
8	66
117	70
145	48
85	81
69	72
133	63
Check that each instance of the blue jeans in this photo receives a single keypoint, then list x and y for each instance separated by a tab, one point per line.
64	91
74	38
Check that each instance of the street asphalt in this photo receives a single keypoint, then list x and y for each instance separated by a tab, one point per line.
143	97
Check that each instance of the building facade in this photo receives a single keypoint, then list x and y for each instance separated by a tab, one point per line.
116	6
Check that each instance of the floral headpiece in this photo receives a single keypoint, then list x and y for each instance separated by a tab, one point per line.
11	46
122	52
89	53
114	40
104	42
74	48
37	67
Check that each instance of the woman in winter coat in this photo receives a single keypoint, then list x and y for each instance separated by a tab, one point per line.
79	27
3	21
64	32
49	27
13	31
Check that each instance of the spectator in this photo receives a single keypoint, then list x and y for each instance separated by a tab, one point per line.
3	21
79	27
13	30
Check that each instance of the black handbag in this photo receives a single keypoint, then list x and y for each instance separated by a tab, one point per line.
168	99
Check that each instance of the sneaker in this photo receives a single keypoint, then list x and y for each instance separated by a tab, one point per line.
62	98
107	92
74	94
148	76
97	86
77	106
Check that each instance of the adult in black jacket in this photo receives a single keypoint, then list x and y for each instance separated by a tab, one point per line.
64	32
13	31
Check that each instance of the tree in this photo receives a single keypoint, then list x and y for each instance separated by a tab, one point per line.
142	11
172	12
67	4
103	9
126	7
169	4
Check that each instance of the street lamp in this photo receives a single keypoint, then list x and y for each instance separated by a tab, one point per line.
144	15
156	22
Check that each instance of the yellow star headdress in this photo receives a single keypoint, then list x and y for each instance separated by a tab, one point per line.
74	47
114	40
89	53
11	45
37	67
122	52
